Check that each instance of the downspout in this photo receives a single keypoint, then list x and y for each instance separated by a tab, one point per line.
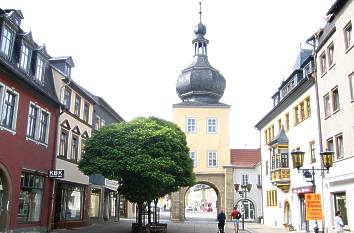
319	125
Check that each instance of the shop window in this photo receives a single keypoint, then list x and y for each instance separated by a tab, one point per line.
95	203
30	200
340	204
69	201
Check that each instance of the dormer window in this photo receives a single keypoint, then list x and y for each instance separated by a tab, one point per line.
39	75
24	57
6	41
67	70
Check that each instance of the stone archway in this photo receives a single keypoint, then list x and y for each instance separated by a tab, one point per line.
5	198
222	183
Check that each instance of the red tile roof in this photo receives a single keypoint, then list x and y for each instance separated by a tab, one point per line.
245	158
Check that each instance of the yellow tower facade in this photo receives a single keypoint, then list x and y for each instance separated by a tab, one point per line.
205	122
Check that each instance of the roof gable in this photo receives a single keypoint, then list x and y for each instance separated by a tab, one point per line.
245	158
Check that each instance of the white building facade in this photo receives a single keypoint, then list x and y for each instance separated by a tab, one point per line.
291	125
247	170
335	74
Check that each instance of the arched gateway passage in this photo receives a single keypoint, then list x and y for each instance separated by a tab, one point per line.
221	183
202	201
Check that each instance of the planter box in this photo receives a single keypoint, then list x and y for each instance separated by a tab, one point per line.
157	228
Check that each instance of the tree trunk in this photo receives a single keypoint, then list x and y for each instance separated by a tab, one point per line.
140	215
149	212
155	211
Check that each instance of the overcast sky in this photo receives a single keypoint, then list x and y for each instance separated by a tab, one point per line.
131	52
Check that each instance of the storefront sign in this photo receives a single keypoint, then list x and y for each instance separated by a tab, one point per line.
111	184
300	190
313	206
56	174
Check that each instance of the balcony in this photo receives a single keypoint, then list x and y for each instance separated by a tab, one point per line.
280	177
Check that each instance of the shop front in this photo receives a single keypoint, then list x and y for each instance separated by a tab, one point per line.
300	192
70	205
104	203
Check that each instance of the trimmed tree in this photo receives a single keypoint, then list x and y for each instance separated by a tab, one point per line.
148	156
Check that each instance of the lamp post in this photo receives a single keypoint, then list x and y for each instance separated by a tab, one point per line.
327	162
244	189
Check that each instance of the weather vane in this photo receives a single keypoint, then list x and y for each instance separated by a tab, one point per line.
200	11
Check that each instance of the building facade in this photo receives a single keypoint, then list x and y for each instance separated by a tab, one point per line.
284	129
247	164
29	110
335	74
72	195
206	123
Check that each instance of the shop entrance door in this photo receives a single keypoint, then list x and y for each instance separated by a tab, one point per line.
4	203
304	224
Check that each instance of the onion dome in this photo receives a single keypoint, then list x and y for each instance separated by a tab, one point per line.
200	82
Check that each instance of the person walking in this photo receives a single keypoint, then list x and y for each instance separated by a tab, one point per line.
235	217
221	221
338	222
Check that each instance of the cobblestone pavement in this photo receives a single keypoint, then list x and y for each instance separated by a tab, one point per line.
124	226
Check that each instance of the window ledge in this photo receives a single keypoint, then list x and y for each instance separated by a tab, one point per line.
7	129
336	111
37	142
348	49
352	101
331	66
326	117
322	75
68	160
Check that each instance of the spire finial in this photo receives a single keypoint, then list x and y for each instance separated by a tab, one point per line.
200	11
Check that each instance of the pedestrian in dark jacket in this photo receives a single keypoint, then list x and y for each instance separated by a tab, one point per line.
221	221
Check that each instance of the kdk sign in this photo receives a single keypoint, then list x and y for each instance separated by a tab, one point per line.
56	173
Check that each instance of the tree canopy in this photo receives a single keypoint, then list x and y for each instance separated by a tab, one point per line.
148	156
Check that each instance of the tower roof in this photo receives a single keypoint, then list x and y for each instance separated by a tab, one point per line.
200	82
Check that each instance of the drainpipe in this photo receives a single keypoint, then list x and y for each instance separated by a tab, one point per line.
319	126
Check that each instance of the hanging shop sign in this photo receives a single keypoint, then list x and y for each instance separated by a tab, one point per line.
56	174
313	206
300	190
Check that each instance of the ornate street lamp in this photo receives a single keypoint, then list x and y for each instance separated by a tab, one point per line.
244	189
327	162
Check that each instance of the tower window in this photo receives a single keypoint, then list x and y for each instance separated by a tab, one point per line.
212	125
212	159
191	125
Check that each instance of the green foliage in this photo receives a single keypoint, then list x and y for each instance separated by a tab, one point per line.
148	156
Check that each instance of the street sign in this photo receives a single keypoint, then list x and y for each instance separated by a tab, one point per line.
313	206
56	174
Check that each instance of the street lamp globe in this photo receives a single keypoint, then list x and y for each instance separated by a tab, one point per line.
298	158
327	159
